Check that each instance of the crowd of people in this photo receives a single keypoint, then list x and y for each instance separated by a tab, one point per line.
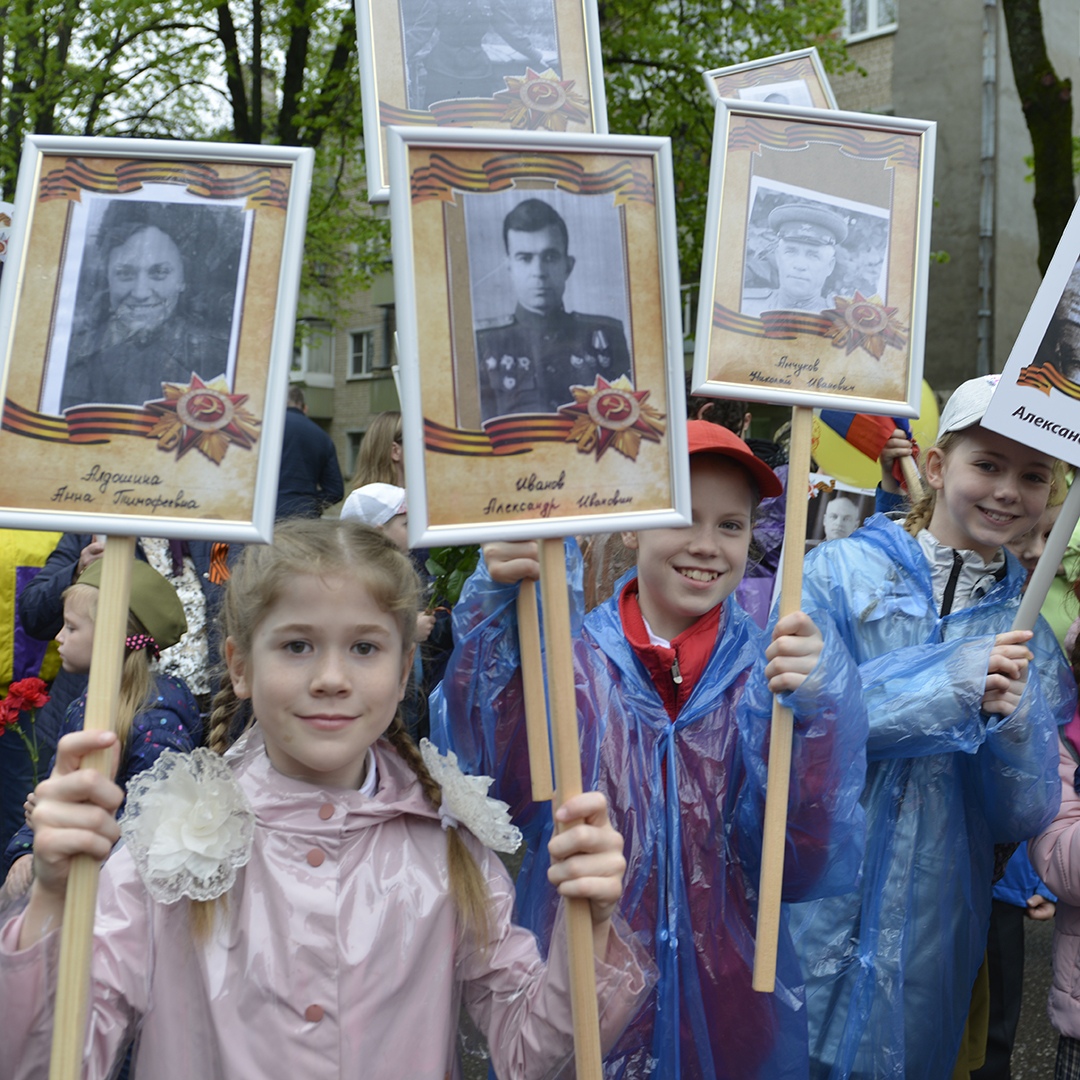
306	883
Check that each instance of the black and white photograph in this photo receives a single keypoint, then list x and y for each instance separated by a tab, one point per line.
836	510
803	249
1060	345
547	273
153	288
464	48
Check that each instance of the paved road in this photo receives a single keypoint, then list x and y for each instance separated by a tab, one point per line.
1036	1041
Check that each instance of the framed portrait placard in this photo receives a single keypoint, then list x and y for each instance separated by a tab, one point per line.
147	315
813	285
1037	400
792	78
514	65
537	290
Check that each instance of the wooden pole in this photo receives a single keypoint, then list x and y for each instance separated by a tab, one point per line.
564	733
911	478
103	693
779	776
532	679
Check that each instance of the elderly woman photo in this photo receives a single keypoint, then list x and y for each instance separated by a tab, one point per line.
154	303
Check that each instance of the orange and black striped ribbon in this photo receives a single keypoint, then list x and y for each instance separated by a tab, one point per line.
219	563
259	186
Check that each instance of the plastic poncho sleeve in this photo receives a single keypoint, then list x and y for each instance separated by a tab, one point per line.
523	1005
1055	853
478	710
1014	775
826	825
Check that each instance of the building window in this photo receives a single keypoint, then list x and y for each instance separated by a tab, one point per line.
362	358
313	353
865	18
355	438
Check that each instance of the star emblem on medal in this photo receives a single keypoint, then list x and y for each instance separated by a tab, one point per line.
612	414
203	415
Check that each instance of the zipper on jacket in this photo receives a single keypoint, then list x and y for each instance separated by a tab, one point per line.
676	674
950	586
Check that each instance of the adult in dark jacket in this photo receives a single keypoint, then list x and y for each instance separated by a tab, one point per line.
310	480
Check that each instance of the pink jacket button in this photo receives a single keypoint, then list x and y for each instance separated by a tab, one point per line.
313	1014
326	811
315	857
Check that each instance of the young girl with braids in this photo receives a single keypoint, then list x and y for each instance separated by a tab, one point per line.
155	712
962	753
298	908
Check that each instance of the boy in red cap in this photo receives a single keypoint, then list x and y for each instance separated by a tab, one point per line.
674	696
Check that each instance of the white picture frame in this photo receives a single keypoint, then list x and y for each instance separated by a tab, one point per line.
208	224
518	472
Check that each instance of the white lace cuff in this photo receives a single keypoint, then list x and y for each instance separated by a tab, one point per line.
188	826
465	802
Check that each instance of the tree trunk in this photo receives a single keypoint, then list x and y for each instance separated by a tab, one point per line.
1047	104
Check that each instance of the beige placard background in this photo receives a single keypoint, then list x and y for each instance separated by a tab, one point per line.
799	67
551	479
388	61
807	362
129	475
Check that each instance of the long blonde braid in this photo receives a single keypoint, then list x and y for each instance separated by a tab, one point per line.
324	547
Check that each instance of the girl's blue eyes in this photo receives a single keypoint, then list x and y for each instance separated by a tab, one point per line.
298	648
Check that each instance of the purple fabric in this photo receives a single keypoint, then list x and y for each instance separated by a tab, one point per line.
29	653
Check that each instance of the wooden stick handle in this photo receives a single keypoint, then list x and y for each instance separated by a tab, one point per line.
103	693
532	679
911	478
564	733
779	778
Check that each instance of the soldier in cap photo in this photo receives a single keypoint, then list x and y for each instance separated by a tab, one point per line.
805	256
529	362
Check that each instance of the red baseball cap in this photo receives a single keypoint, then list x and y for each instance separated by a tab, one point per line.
706	438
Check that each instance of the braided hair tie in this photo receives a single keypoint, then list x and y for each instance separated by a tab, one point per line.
143	641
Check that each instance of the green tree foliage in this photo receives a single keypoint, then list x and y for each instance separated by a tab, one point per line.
653	59
252	71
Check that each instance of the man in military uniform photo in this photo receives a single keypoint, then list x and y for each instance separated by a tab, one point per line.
528	363
805	256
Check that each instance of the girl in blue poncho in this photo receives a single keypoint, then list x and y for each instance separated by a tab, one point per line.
673	705
962	751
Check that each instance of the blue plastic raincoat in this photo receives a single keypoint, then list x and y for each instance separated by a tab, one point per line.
688	799
890	967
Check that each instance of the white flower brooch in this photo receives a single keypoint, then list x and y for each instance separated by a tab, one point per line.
465	802
188	826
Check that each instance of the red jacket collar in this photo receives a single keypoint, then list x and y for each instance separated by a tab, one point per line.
675	670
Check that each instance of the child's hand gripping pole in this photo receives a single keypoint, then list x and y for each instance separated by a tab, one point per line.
564	734
779	777
103	694
1043	575
532	679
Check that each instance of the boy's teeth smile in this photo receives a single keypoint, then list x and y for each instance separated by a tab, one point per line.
695	574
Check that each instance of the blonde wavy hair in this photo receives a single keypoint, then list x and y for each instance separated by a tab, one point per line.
335	548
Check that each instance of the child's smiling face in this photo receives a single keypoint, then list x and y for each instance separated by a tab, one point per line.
325	674
990	490
684	573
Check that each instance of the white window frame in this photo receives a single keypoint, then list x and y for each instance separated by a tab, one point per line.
301	369
373	364
874	28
